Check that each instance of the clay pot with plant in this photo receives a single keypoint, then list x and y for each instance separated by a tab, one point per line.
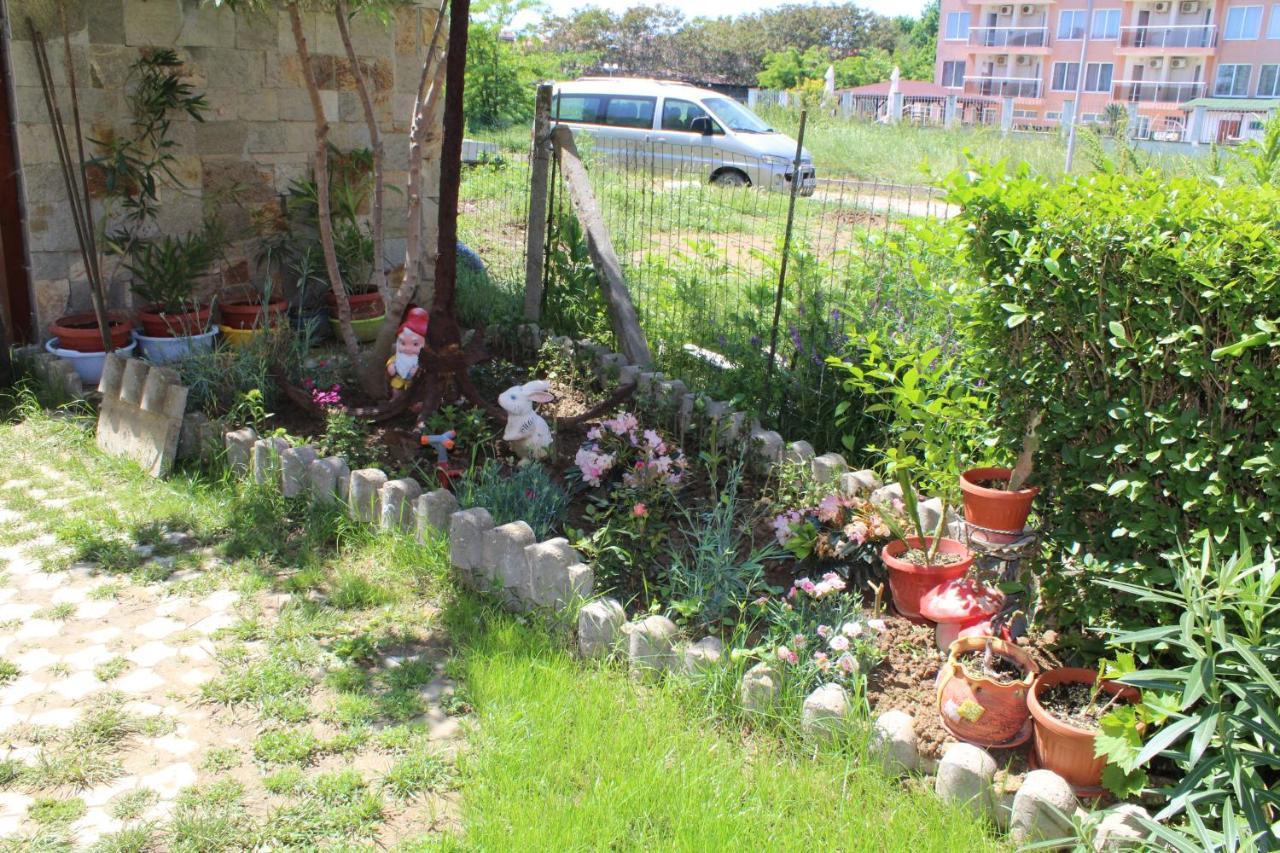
919	559
997	501
982	692
1066	705
80	332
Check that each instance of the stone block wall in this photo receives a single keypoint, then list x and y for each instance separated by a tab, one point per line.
258	135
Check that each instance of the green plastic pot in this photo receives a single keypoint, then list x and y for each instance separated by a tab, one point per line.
366	330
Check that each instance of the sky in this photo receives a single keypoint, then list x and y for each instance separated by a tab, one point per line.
718	8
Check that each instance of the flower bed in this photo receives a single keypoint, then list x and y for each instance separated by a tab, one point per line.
817	643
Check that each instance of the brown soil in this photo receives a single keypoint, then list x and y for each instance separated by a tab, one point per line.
905	680
1000	669
917	557
1073	704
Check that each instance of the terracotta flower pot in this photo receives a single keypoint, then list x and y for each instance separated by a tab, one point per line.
158	324
996	509
980	710
79	332
363	305
909	582
251	313
1062	747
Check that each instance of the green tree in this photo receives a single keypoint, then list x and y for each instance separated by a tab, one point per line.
870	66
788	69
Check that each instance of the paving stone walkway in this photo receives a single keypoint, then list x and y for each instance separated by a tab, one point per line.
86	649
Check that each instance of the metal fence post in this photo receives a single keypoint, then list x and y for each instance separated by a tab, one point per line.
786	249
536	227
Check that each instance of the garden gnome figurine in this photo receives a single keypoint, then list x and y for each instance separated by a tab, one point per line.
410	340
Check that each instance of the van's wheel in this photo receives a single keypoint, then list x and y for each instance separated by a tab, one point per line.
730	178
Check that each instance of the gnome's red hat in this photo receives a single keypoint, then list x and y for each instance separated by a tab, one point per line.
415	320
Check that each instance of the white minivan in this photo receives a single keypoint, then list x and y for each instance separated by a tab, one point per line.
681	129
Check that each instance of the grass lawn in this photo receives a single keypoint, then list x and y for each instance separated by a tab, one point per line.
559	755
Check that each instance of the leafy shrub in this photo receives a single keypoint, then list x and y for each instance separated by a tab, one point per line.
1124	308
1216	686
526	493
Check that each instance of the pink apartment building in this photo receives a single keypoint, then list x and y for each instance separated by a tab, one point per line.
1196	70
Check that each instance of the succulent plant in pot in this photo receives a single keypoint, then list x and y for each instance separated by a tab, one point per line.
919	558
1067	705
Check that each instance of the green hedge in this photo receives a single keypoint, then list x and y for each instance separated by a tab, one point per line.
1138	312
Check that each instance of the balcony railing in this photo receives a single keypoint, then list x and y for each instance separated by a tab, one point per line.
1154	91
1008	36
1003	87
1172	38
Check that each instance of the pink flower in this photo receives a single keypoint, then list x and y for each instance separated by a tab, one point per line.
847	664
856	532
807	585
824	631
799	641
828	508
821	659
782	529
876	624
640	510
839	643
851	629
787	656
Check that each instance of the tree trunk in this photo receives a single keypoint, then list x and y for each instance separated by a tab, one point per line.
429	86
322	188
444	320
375	142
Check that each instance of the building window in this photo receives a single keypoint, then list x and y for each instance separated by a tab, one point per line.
1026	114
1097	76
1055	115
1106	24
957	26
1273	28
1071	25
1232	81
1243	22
1091	118
1269	81
953	74
1066	75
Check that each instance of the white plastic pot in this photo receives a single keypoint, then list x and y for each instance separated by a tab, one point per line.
88	365
165	350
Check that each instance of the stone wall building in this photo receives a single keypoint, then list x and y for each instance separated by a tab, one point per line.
258	135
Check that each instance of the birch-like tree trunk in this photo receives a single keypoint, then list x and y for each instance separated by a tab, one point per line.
342	13
322	187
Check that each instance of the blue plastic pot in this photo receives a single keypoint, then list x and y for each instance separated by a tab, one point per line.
166	350
88	365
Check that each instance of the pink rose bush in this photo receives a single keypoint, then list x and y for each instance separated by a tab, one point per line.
641	458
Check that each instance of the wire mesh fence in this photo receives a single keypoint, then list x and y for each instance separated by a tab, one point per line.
700	235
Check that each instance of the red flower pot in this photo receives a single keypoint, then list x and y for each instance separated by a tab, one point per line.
363	305
909	582
80	332
995	509
251	313
1062	747
980	710
158	324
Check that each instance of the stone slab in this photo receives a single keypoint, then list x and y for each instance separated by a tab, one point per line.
140	417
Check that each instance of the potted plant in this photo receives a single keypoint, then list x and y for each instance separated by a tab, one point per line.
77	338
997	501
919	559
247	314
165	272
1066	705
982	692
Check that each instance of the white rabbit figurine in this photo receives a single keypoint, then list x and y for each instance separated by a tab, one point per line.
527	433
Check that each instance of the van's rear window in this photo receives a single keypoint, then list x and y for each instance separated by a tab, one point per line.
614	110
